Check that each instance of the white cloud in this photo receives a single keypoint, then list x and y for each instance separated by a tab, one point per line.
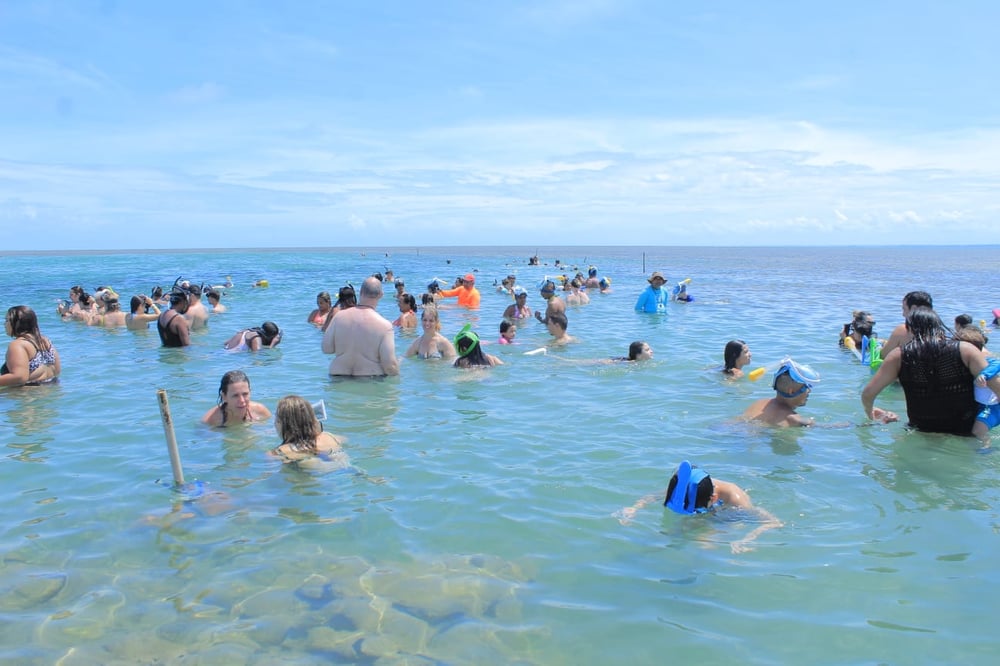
197	94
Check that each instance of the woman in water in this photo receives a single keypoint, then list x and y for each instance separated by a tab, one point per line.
736	356
470	351
112	317
254	339
431	344
346	298
302	435
637	351
235	405
519	308
407	311
139	321
860	326
324	305
31	357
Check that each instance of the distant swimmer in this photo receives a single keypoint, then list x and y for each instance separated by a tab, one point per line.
254	339
736	356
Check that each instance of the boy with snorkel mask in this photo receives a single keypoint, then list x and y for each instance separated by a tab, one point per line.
792	384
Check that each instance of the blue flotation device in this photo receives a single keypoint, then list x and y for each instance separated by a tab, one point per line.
871	352
686	491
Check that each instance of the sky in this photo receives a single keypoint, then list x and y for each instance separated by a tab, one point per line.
225	124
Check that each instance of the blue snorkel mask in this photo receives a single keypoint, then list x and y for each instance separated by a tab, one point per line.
801	374
685	495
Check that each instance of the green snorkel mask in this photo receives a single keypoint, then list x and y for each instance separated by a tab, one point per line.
466	337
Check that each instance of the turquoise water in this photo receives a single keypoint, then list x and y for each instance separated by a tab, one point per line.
476	522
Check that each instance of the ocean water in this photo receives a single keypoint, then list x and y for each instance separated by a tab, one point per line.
476	520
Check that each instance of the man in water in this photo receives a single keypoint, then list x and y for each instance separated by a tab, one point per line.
900	335
553	304
792	385
171	325
362	339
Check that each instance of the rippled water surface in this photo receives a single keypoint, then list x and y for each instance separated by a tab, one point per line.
476	520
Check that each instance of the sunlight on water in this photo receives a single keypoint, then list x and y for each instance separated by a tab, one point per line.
473	519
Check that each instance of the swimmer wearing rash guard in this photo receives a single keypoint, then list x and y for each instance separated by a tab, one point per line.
468	295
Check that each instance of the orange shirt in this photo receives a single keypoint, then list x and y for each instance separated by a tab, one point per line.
467	296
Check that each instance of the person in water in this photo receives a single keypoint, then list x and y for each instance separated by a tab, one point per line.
171	325
214	299
654	298
692	491
553	304
362	339
235	405
302	435
936	374
862	325
112	316
470	351
989	413
508	332
637	351
31	357
736	356
557	324
431	344
407	318
467	294
901	334
792	384
519	309
140	316
254	339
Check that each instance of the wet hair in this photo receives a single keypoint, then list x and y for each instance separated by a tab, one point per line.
470	352
962	320
576	283
296	423
324	296
635	349
918	299
135	303
76	289
434	287
231	377
24	321
731	354
85	299
346	298
377	276
505	326
212	293
178	297
268	331
111	303
973	335
156	293
559	319
426	299
410	300
703	496
928	332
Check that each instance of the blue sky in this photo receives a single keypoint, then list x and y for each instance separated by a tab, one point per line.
137	124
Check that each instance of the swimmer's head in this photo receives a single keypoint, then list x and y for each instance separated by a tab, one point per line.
605	282
863	322
519	292
547	287
792	379
178	298
690	490
268	332
466	341
469	278
732	353
973	335
592	271
231	377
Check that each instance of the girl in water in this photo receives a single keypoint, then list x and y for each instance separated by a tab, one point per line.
737	356
431	344
323	307
302	435
235	405
470	351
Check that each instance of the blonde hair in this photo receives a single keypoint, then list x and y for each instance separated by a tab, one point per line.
433	311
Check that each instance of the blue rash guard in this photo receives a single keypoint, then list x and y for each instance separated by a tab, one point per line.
652	300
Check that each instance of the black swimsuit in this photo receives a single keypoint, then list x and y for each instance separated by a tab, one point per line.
169	336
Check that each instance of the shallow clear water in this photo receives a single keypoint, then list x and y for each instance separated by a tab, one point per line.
475	522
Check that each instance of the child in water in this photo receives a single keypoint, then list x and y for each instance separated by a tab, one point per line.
989	415
792	385
691	490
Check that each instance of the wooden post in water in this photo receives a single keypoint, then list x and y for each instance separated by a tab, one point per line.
643	263
168	430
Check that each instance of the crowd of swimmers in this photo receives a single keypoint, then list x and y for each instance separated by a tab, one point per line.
949	378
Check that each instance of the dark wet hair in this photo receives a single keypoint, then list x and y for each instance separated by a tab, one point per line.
635	349
928	333
178	297
862	322
378	276
505	326
135	303
559	319
918	299
212	293
76	289
410	300
426	299
267	331
732	353
24	321
962	320
85	299
470	351
704	495
346	298
156	293
231	377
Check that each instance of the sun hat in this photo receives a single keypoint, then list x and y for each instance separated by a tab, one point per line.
656	274
520	291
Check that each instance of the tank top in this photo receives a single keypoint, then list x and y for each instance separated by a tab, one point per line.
939	391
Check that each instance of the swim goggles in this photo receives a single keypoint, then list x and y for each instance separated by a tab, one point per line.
466	334
802	374
685	493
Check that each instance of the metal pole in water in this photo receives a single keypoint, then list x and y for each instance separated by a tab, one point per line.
168	430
